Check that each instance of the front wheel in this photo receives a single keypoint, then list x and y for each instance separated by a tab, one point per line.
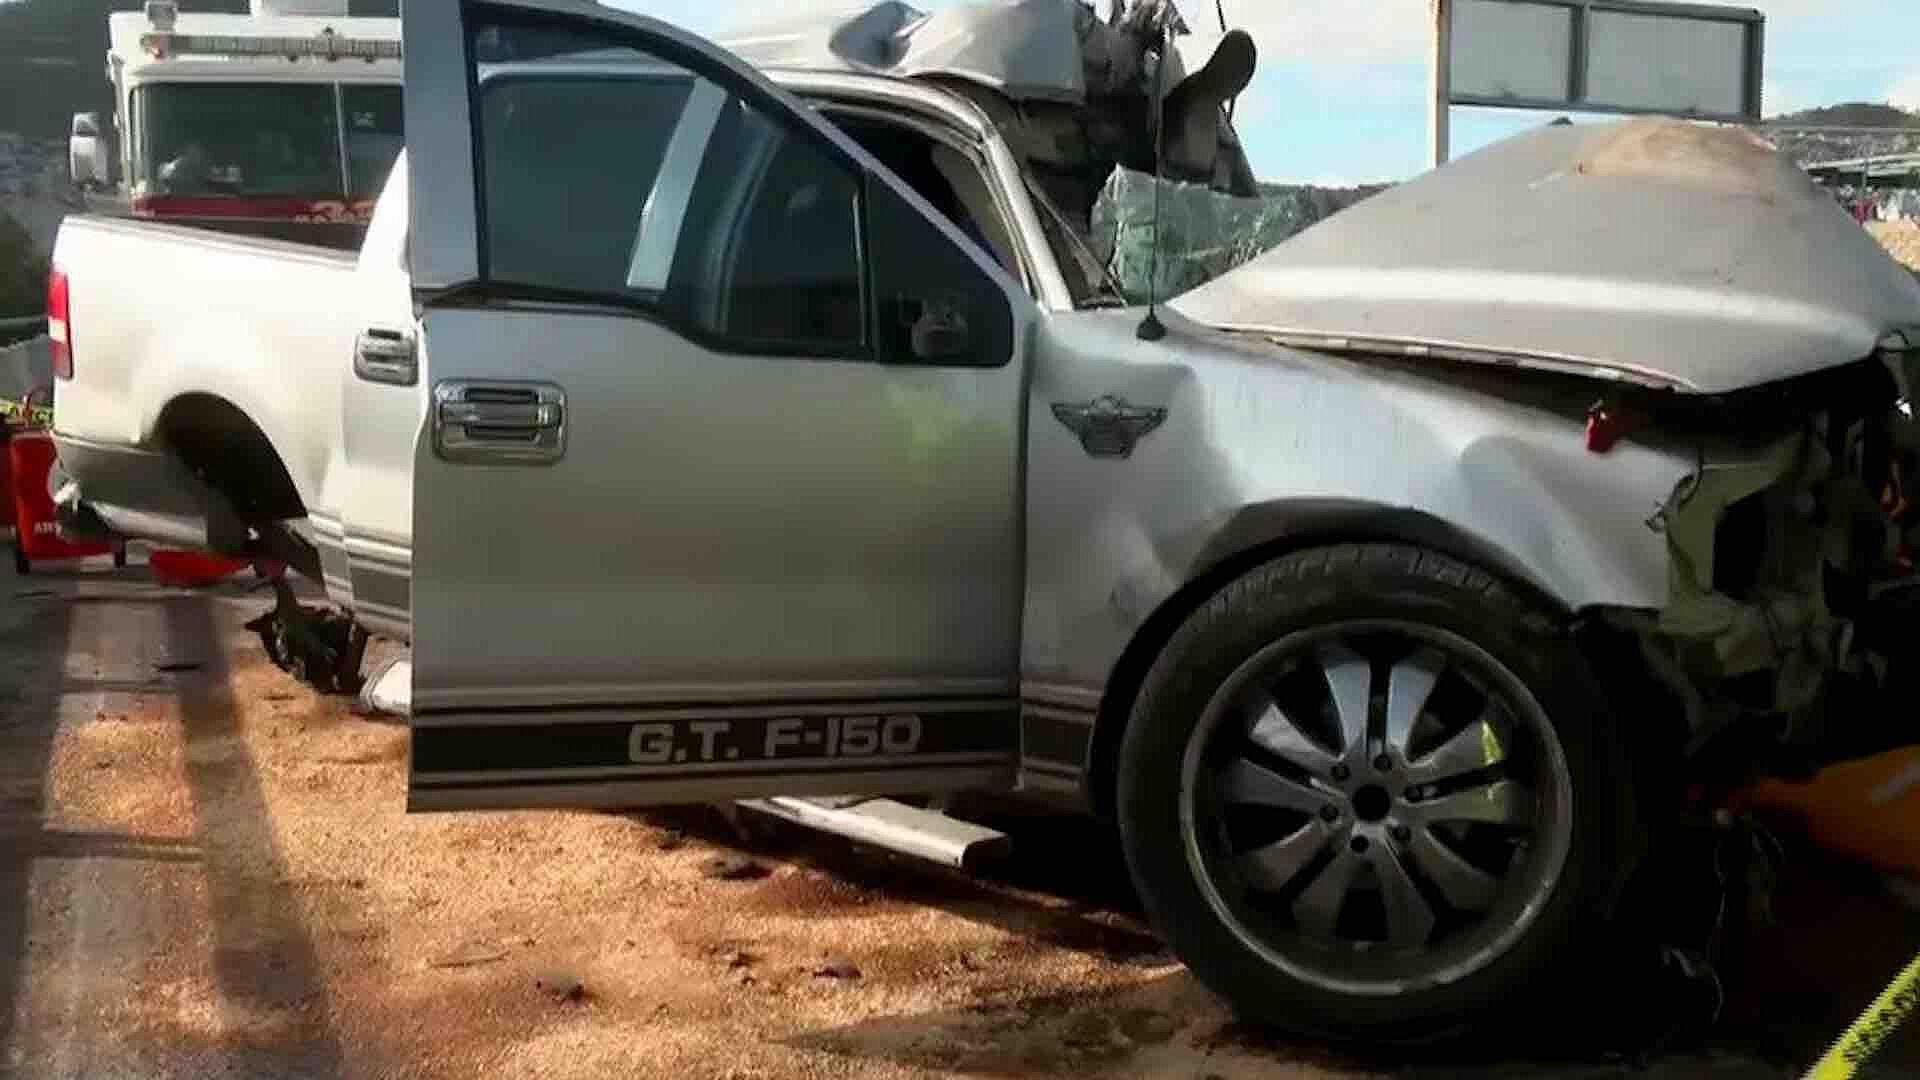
1362	795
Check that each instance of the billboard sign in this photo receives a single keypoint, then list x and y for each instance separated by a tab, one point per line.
1608	56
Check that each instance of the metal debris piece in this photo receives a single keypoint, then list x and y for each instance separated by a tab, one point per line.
734	868
837	967
471	955
562	987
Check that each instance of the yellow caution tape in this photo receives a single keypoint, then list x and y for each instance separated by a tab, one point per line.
1874	1027
37	414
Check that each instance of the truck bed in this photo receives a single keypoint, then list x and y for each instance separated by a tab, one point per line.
164	316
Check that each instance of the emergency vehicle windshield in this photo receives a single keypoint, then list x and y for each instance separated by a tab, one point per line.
255	139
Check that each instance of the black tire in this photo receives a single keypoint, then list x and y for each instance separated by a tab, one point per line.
1360	585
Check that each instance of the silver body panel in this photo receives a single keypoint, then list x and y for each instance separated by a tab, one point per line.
802	547
720	526
363	527
1654	251
1264	444
707	528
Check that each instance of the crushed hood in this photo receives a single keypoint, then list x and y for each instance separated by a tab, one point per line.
1075	94
1657	251
1028	49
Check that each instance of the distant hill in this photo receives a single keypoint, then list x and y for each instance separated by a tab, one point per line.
1857	114
53	60
53	57
1809	149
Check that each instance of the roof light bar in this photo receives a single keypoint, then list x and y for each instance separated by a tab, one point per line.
327	45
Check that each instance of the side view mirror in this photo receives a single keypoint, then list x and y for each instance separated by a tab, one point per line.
87	152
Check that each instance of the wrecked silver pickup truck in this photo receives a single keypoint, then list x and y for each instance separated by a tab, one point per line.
1389	598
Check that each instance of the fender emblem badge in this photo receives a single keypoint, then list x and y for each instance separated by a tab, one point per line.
1108	426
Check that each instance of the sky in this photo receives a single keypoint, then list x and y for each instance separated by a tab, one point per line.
1340	97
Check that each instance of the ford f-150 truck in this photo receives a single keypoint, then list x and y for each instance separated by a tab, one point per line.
723	423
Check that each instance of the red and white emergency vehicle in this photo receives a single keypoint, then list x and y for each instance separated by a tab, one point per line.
280	122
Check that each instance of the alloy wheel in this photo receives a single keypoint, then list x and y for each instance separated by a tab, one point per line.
1376	806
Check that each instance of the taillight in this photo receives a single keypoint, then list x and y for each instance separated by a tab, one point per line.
59	329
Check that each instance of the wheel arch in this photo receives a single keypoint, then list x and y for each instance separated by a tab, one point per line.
230	453
1257	535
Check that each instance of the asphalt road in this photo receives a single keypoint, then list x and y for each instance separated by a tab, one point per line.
205	870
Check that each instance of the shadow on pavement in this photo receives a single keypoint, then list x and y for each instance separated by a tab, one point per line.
1072	903
1791	988
264	960
69	844
33	641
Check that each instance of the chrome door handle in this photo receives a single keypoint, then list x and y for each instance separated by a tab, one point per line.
499	423
386	356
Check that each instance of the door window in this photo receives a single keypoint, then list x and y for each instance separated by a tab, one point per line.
932	303
613	176
569	161
946	178
771	252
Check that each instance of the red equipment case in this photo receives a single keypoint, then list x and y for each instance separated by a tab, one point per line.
6	482
30	455
191	569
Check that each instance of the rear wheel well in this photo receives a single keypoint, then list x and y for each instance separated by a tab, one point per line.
1130	670
230	454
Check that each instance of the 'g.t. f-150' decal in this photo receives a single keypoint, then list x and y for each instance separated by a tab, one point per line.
544	747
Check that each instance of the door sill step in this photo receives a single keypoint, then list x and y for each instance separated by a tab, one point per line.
895	826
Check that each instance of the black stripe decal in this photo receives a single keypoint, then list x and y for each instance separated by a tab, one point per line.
843	767
700	769
929	700
1060	696
848	738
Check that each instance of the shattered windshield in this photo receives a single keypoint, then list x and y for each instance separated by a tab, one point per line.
1203	233
1088	279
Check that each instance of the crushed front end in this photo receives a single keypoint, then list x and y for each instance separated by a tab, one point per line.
1787	639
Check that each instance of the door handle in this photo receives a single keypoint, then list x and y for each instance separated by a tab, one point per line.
499	423
386	356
